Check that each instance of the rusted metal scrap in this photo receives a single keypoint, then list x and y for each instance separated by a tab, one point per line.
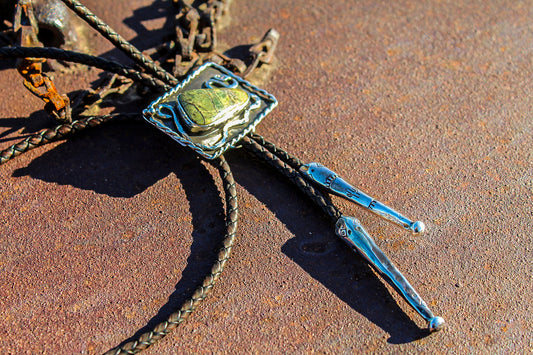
38	83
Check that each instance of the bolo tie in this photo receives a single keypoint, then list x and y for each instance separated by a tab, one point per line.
210	111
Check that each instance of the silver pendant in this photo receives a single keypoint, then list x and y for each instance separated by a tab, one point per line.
210	111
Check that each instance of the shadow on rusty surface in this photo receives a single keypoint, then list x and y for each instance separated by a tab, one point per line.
208	231
108	161
350	278
26	126
148	36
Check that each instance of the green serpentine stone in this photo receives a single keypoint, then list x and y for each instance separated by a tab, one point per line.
207	106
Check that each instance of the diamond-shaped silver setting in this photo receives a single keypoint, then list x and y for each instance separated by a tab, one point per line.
213	144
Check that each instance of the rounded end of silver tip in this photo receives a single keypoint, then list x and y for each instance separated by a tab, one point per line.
436	324
418	227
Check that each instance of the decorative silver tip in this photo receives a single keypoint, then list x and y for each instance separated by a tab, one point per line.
418	227
435	324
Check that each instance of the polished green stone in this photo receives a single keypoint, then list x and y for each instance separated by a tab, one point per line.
212	106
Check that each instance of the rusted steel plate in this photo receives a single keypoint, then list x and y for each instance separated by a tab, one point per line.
425	105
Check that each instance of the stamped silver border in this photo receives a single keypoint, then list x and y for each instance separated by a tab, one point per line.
184	139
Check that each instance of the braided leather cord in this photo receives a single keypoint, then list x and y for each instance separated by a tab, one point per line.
232	213
76	57
293	175
59	132
178	317
283	155
119	42
281	160
62	131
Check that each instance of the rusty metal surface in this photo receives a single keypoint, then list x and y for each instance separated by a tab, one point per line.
425	105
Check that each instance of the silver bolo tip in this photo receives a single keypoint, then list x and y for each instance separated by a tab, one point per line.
436	324
353	233
333	183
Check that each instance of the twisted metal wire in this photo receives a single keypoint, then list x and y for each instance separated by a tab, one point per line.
59	132
119	42
293	175
175	319
76	57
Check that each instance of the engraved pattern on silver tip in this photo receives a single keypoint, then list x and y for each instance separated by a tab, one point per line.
334	184
353	233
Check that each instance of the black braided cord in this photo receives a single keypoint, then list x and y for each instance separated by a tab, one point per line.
279	159
232	214
119	42
76	57
175	319
283	155
292	174
59	132
62	131
263	151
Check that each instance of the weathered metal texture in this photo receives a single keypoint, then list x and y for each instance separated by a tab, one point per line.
59	27
425	105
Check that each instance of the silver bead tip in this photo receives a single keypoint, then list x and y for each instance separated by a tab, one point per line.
435	324
418	227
